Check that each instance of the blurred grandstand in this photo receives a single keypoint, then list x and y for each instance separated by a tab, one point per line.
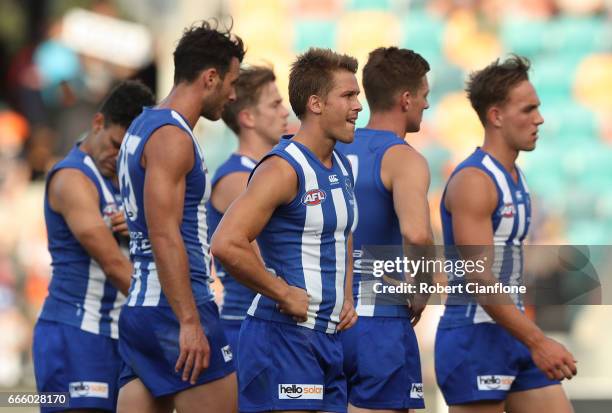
60	56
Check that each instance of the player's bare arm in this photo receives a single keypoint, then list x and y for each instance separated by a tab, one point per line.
405	173
168	157
75	197
471	198
228	189
273	184
348	315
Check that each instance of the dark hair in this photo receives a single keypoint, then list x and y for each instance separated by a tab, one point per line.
492	84
204	46
312	74
248	90
125	102
390	71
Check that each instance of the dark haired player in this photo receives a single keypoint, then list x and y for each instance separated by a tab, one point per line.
75	337
381	354
171	340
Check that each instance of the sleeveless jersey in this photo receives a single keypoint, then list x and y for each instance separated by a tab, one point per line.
305	240
145	289
510	220
79	293
236	297
378	224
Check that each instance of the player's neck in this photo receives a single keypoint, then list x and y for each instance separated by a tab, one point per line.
501	152
85	145
252	145
315	139
185	101
388	121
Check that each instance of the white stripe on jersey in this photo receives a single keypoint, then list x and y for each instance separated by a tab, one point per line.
201	215
481	316
114	314
253	307
137	282
203	227
523	180
311	246
93	298
340	246
506	224
153	291
366	310
247	163
521	224
108	196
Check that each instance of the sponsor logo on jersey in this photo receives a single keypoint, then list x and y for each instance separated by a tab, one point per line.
333	179
508	210
494	382
227	353
313	197
88	389
416	391
300	391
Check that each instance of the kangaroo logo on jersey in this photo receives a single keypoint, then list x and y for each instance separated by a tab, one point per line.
508	210
313	197
333	179
348	184
519	196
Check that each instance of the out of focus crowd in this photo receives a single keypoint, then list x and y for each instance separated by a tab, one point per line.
59	58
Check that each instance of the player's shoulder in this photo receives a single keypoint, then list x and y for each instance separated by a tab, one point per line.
405	157
472	186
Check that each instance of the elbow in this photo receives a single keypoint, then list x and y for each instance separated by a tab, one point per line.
220	247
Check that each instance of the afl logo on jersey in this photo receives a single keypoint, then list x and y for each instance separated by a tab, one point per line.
508	210
313	197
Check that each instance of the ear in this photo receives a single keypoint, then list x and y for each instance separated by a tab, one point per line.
97	123
405	100
315	104
209	77
494	116
246	119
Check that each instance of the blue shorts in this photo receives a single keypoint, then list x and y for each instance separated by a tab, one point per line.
68	359
232	330
288	367
483	362
382	364
149	347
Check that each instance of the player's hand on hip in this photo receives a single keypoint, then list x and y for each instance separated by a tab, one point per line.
348	315
194	352
295	303
417	305
553	359
119	224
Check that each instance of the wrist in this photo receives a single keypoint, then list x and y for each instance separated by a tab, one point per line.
534	339
280	290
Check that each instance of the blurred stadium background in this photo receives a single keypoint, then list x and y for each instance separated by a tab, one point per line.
59	57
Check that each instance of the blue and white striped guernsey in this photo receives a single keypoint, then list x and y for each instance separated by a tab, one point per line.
378	224
236	297
79	293
305	241
510	220
145	289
